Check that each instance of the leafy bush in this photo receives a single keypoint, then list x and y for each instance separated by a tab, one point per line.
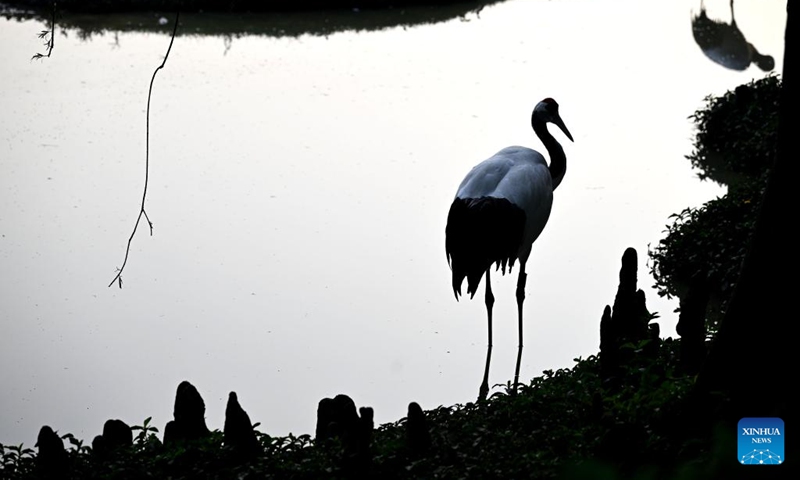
737	133
735	144
710	241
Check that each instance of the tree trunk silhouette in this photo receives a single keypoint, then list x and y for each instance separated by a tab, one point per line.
750	359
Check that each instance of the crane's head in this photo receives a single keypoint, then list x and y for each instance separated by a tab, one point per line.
764	62
547	111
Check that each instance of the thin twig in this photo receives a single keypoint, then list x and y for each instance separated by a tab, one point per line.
44	33
118	277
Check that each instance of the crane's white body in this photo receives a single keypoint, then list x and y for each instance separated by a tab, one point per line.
520	175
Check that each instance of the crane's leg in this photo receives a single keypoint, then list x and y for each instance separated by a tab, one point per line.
484	391
520	298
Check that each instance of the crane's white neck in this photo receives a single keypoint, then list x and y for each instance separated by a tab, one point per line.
558	160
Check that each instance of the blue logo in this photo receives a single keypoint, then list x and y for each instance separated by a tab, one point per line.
761	441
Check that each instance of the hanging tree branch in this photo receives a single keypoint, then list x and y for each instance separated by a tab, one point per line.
142	212
49	43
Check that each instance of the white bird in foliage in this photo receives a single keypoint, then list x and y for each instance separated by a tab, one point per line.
500	209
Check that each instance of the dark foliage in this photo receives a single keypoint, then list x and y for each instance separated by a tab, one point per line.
709	242
737	133
556	422
735	144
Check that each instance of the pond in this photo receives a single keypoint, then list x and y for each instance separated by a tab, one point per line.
299	188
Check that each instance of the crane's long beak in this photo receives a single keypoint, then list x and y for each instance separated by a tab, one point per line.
560	124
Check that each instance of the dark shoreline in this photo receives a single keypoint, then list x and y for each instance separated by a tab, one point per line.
119	6
273	19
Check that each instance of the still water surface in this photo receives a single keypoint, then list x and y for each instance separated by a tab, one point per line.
299	191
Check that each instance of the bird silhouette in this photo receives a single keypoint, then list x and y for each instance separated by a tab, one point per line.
725	44
500	209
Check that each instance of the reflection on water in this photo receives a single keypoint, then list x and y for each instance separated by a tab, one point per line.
725	44
299	192
273	24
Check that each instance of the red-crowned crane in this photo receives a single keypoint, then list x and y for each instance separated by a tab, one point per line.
500	209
